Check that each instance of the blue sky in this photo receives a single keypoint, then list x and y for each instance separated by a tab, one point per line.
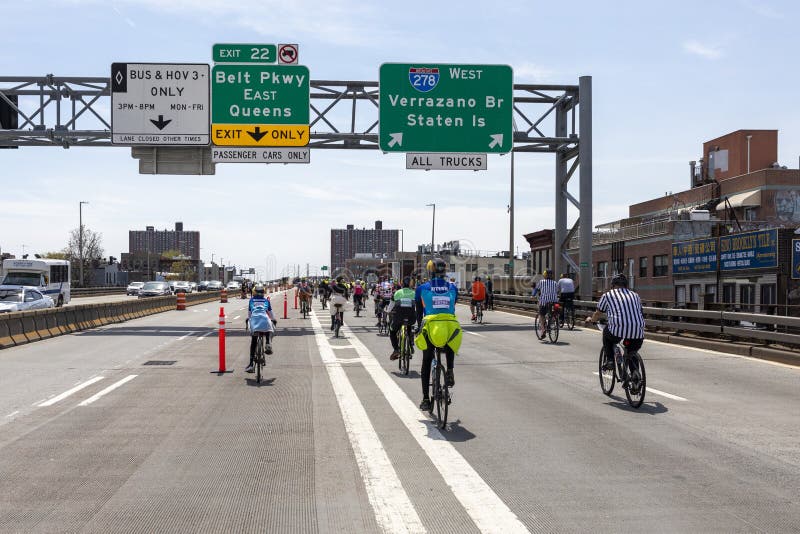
666	77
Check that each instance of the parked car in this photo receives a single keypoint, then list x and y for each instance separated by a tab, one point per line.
214	285
154	289
193	285
133	288
23	298
203	286
182	286
233	286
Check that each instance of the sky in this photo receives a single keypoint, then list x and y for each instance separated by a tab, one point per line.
666	76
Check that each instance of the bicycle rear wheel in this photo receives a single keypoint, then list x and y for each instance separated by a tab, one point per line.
405	351
637	381
607	372
442	399
571	318
259	357
338	325
552	328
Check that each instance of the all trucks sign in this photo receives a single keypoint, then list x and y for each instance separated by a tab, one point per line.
446	108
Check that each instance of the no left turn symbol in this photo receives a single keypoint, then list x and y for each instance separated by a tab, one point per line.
287	54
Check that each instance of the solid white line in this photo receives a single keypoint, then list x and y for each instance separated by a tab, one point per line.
393	509
489	513
69	392
109	389
12	414
472	333
657	391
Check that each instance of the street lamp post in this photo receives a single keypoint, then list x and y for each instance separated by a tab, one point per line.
433	227
80	236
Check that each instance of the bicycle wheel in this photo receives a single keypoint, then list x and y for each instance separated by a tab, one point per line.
434	386
570	318
552	328
536	326
442	398
358	309
405	354
480	315
259	357
338	325
637	381
607	372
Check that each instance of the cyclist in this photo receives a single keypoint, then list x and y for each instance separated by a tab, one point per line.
404	309
478	295
358	293
324	291
385	294
489	294
261	319
436	303
305	293
566	293
337	289
623	308
547	290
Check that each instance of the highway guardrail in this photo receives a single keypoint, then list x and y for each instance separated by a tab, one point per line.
19	328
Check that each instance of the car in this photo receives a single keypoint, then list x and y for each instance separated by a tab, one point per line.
214	285
182	286
193	286
23	298
203	286
133	288
155	289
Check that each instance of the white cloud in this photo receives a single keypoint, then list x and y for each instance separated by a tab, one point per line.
762	9
530	73
703	50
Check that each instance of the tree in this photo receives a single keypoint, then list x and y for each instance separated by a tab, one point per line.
54	255
172	253
92	251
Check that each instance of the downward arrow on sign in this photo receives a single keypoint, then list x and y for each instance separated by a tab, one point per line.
257	135
160	123
397	139
497	139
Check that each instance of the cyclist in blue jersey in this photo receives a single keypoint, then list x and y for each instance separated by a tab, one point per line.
436	305
261	319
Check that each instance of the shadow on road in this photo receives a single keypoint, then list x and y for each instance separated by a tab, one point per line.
453	433
648	408
264	382
411	374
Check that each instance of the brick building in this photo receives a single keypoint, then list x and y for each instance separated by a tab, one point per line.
347	242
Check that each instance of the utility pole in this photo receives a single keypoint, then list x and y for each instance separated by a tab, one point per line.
433	227
511	226
80	236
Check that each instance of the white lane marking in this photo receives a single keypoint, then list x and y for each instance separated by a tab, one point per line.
489	513
184	337
658	392
340	347
236	317
109	389
12	414
472	333
204	336
69	392
393	509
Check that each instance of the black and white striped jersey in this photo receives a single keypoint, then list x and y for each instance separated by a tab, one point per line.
624	310
547	290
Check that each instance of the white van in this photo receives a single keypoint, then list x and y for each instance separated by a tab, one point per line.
50	277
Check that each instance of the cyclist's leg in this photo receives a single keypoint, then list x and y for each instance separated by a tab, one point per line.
425	371
394	329
253	343
450	356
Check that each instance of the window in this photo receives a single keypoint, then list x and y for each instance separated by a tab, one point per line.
680	296
750	214
694	293
711	292
660	265
602	269
747	297
643	267
769	293
452	267
729	293
58	274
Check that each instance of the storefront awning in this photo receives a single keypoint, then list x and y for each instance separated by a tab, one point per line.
741	200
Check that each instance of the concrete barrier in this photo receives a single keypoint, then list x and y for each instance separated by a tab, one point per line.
6	340
60	317
29	326
39	319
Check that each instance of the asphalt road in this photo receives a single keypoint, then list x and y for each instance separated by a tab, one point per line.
94	440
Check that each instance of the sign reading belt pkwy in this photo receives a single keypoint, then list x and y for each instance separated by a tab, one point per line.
260	105
446	108
159	104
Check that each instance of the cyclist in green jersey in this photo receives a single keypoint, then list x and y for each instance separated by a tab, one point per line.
404	308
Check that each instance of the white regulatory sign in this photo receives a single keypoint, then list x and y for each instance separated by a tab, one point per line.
160	104
445	161
233	154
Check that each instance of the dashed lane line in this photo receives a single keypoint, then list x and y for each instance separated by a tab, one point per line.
393	509
108	390
472	333
486	509
69	392
658	392
12	414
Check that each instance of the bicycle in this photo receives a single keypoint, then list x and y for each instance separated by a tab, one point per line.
259	360
305	308
357	306
551	327
383	319
324	300
338	320
478	313
406	347
629	366
440	392
567	316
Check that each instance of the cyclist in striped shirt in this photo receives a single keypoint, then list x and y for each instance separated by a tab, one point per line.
623	308
547	290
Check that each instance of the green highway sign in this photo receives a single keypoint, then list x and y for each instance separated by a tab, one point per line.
446	108
260	105
245	53
324	267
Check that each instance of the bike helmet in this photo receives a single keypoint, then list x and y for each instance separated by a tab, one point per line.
407	281
259	289
619	281
477	279
437	266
